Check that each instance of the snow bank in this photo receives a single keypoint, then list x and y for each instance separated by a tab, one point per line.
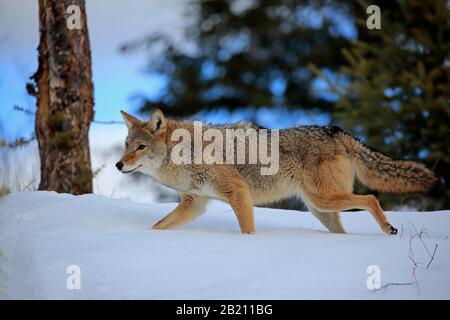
290	257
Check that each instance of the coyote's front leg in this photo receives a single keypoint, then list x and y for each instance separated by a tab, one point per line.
236	192
190	207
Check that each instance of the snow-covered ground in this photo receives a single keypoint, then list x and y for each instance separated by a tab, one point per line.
290	257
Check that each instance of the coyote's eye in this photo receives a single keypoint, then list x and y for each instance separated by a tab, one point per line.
141	146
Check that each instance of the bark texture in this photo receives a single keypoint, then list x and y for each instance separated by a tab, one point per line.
64	100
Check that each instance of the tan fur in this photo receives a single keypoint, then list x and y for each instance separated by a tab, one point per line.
316	163
189	208
331	220
382	173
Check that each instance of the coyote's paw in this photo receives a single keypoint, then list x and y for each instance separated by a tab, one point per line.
390	230
158	226
249	231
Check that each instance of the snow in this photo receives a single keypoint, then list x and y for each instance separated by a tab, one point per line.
291	256
20	169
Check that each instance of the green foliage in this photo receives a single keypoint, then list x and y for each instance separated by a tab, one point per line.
399	90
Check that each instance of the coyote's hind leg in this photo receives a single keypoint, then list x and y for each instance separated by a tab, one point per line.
326	187
346	201
331	220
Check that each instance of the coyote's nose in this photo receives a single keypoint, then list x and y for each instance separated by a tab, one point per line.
119	165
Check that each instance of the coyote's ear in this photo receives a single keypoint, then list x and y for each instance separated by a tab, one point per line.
130	121
157	123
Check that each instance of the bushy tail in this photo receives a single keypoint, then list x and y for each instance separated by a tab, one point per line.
382	173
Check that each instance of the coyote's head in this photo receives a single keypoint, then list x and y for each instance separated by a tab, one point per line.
145	146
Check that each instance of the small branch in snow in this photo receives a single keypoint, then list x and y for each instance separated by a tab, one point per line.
389	284
432	256
420	236
414	233
413	260
411	252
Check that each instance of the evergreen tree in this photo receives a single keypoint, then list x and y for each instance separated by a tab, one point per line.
398	92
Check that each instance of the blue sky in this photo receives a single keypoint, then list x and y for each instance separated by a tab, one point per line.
117	77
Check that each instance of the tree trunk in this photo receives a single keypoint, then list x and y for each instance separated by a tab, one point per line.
64	99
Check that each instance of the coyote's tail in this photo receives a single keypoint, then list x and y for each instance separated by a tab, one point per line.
382	173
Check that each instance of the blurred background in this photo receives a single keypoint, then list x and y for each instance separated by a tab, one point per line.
278	63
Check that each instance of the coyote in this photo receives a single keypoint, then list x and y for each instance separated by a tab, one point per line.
318	164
